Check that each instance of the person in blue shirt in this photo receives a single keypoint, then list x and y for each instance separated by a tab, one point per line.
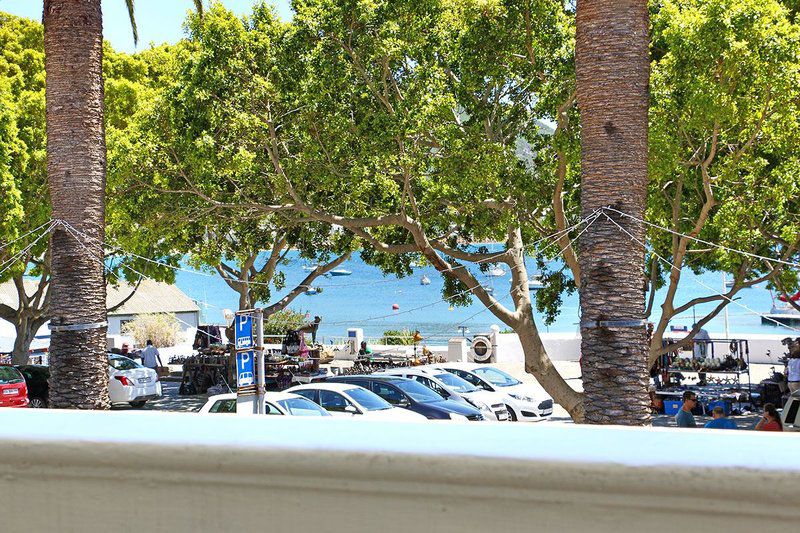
685	418
720	420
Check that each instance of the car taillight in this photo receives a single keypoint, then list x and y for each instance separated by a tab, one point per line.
125	381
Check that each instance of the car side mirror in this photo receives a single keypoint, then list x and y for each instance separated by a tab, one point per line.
351	409
403	403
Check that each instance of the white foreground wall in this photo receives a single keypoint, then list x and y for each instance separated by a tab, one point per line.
157	472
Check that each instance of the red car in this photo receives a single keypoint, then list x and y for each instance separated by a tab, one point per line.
13	390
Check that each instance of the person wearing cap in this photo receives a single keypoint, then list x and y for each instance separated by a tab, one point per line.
720	420
685	418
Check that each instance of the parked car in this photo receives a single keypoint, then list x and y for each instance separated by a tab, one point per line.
525	402
451	387
38	389
411	395
131	383
13	390
275	403
348	400
128	382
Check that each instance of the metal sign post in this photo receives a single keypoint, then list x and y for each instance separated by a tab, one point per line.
259	348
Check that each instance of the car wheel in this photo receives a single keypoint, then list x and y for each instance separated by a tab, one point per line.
511	416
139	404
37	403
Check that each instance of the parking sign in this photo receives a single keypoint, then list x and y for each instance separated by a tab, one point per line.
244	332
245	376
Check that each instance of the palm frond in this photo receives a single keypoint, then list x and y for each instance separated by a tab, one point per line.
131	14
198	5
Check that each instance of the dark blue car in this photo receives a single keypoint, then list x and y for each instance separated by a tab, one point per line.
411	395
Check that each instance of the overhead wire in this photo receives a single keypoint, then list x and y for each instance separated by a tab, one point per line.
674	267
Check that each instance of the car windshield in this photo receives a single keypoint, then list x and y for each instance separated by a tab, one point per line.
302	407
456	383
10	375
368	400
418	391
496	377
122	363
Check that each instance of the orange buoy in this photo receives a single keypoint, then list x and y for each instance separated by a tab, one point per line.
395	307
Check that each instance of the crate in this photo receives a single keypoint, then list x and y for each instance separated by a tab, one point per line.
671	407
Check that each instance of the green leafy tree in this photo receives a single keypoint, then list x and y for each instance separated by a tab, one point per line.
200	139
724	165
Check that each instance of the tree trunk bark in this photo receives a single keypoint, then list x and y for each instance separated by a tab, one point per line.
76	171
26	330
612	67
538	364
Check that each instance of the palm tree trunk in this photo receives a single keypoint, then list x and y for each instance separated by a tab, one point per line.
612	66
76	171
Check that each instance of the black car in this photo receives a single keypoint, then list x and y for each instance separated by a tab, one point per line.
412	395
36	379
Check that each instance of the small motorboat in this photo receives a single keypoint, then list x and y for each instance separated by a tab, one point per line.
497	272
309	268
783	312
489	290
340	272
535	283
313	290
425	280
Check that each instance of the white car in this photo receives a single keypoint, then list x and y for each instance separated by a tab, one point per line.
131	383
346	400
451	387
275	403
525	402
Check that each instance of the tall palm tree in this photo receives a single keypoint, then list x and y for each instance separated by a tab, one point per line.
76	171
612	67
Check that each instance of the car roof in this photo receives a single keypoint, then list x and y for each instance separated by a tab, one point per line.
268	396
460	365
328	385
373	377
414	370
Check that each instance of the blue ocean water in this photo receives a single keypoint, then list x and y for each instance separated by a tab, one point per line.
365	299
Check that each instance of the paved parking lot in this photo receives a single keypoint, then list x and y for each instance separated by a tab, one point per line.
170	401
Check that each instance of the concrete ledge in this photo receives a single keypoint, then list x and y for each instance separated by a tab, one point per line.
77	471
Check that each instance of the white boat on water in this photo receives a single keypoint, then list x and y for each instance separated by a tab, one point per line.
309	268
340	272
783	312
313	290
534	283
497	272
425	280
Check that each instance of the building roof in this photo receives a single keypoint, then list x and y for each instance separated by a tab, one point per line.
150	297
8	291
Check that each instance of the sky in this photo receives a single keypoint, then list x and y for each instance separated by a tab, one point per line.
158	21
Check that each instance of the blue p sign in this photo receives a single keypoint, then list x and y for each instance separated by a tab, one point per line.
244	369
243	332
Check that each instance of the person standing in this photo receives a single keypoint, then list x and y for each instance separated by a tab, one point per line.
685	418
793	371
720	420
771	421
150	356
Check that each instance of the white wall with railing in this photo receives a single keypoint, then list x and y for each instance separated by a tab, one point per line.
170	472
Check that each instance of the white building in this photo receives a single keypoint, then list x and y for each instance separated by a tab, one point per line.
151	297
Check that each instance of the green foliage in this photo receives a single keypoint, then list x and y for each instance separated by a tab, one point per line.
730	67
195	156
280	321
23	191
398	337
